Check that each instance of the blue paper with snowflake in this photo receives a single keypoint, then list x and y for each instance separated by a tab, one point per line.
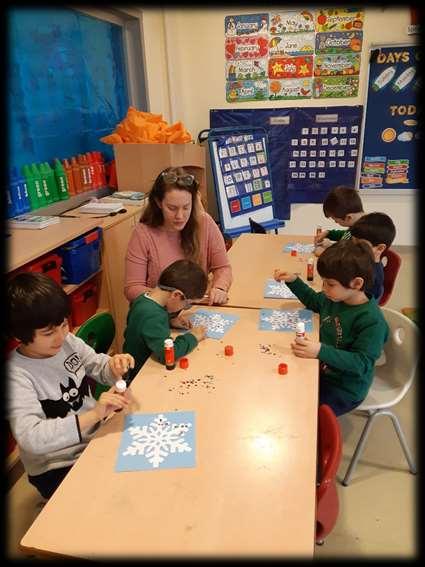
217	324
278	290
285	320
299	247
157	441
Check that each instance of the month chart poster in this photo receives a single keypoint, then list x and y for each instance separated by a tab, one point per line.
294	54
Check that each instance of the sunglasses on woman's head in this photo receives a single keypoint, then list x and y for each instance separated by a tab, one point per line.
186	180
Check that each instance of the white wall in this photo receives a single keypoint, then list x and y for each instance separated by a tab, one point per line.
185	75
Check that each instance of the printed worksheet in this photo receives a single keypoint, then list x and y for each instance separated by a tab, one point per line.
278	290
300	248
285	320
216	323
157	441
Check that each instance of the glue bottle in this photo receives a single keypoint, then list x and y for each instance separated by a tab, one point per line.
310	269
170	361
120	387
300	330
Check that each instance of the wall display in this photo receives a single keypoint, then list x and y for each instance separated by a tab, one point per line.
311	149
294	54
391	123
242	177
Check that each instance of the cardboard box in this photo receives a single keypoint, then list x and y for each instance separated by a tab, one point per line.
138	165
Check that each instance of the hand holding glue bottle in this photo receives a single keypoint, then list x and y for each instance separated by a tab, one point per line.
304	347
120	365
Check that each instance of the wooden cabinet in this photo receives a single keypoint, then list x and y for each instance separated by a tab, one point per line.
115	242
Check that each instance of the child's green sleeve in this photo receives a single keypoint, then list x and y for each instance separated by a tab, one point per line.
312	299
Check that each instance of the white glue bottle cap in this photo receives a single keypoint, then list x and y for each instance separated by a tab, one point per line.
120	386
168	342
300	329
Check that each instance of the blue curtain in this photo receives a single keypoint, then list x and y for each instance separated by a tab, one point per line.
66	84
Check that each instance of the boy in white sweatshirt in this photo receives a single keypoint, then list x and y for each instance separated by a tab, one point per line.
50	404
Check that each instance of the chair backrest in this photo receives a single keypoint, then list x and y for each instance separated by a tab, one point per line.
391	262
256	227
329	458
401	354
329	448
98	331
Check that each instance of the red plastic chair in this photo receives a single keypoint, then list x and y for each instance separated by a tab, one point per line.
392	262
329	457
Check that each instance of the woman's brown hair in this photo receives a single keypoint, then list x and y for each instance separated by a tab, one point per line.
152	215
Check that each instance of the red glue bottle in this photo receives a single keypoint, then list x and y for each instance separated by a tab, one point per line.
310	269
170	361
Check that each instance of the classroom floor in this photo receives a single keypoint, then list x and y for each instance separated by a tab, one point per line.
377	510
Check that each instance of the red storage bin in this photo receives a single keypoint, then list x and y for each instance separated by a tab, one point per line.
84	302
49	265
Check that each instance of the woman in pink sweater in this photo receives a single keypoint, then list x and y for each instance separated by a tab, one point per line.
173	227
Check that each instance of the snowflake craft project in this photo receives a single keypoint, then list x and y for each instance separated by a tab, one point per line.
278	290
157	441
281	320
300	248
217	324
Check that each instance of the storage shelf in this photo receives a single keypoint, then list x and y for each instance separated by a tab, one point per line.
69	288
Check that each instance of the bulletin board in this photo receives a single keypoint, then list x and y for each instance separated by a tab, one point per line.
391	131
242	178
311	149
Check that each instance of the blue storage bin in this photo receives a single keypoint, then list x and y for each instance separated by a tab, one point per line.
81	257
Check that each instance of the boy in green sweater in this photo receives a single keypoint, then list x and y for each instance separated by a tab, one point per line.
148	321
344	206
352	327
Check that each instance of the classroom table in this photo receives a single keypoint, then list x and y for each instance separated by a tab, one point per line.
253	489
254	257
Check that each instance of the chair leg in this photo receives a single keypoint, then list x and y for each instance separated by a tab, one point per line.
359	448
360	445
403	442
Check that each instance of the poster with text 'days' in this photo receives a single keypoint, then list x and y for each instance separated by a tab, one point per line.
391	131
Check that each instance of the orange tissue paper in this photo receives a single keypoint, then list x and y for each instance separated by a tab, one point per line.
140	127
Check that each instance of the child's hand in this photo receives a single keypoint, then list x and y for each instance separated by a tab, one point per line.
217	296
305	348
120	364
281	275
199	332
180	322
109	402
319	237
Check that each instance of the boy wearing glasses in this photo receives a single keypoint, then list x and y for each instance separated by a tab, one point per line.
148	321
173	226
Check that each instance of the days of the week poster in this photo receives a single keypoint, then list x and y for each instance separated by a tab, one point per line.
293	55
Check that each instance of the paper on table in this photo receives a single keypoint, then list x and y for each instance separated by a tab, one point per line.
101	208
